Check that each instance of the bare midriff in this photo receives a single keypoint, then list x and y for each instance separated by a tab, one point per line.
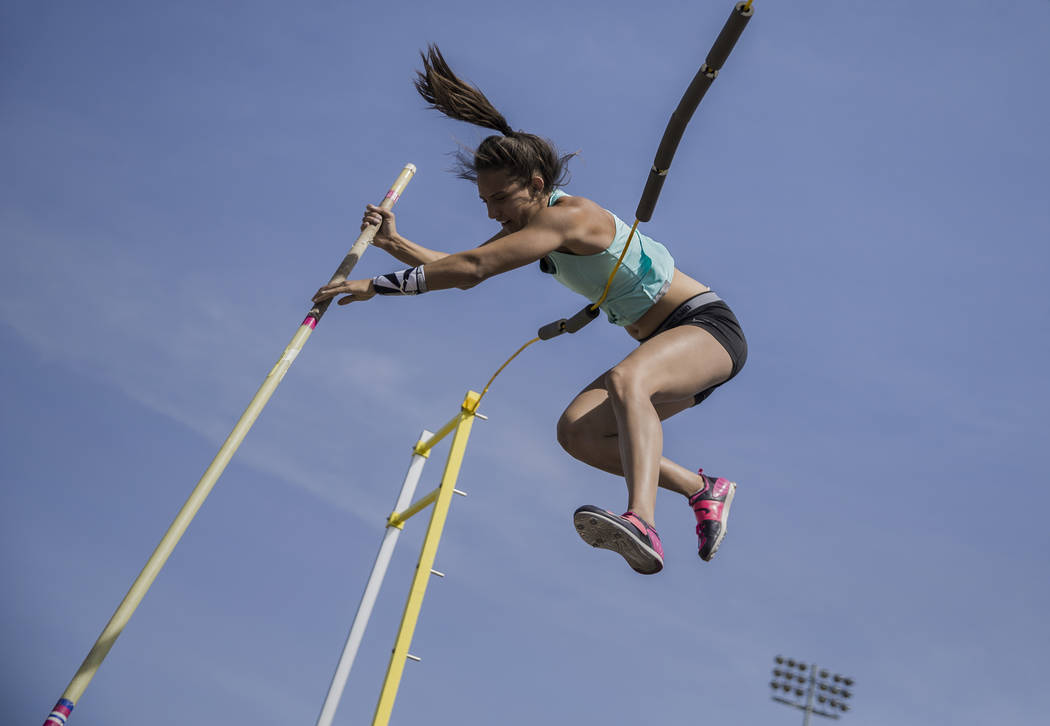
681	289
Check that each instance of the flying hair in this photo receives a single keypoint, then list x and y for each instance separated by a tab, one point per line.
448	93
518	153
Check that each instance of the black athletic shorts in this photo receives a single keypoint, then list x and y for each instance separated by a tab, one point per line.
707	311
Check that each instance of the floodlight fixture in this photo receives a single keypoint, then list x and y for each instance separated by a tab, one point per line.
827	688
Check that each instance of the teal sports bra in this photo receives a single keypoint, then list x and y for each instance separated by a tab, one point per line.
643	277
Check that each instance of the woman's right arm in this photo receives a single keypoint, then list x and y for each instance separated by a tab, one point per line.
388	239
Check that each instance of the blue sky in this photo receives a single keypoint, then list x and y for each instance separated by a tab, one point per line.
865	184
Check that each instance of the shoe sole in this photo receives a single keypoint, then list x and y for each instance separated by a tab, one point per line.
724	529
609	534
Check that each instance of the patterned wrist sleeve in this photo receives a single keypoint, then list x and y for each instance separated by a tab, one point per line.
405	282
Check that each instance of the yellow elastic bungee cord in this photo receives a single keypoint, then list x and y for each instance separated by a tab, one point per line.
608	283
486	388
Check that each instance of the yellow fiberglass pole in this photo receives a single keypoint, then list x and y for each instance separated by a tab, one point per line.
178	527
426	560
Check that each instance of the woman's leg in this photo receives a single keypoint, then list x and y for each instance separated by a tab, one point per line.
615	423
588	431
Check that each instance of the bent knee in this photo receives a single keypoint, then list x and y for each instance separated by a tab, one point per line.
624	383
569	433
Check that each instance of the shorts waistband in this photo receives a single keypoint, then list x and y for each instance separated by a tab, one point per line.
685	309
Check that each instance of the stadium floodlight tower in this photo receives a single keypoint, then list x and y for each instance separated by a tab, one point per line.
803	683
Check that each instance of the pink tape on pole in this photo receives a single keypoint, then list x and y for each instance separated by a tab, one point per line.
58	716
311	321
391	195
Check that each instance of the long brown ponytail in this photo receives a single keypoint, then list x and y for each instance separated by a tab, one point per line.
518	153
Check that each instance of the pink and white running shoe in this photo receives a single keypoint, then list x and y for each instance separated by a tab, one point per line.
626	534
711	507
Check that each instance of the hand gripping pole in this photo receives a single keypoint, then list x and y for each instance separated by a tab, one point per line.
717	56
189	510
364	239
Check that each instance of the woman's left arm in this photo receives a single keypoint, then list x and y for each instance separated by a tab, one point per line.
517	249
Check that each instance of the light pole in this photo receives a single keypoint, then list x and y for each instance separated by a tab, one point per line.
802	683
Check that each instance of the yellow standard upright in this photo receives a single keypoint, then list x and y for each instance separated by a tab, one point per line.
441	499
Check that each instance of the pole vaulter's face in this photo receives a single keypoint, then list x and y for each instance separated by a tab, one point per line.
510	201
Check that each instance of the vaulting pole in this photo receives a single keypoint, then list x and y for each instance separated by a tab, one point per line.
703	79
171	538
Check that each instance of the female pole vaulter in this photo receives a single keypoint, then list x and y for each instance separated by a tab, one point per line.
690	342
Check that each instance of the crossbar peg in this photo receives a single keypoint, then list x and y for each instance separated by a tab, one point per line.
435	572
416	658
457	491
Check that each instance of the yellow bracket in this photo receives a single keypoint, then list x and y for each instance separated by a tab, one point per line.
468	410
418	449
398	519
470	403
